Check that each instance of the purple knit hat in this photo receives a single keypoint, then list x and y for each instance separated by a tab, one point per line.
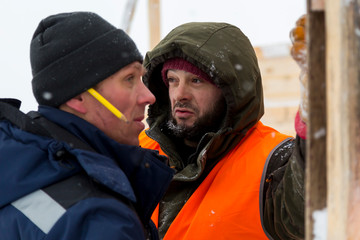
181	64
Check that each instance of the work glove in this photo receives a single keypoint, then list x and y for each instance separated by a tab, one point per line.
299	54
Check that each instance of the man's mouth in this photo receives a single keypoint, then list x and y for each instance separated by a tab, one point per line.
139	119
183	113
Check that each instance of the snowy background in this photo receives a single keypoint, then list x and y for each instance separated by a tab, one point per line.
265	22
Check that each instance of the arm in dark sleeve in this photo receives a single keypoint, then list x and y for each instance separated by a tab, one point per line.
285	192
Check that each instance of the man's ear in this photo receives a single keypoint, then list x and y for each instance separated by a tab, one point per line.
77	104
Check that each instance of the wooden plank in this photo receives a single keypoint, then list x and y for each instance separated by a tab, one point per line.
154	22
317	5
316	132
342	19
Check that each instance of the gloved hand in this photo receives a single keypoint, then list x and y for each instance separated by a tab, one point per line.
299	54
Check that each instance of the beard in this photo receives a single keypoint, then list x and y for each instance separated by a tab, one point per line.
209	122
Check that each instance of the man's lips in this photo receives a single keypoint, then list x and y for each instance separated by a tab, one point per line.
138	122
139	119
183	112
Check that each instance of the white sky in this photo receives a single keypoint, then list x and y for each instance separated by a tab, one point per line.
265	22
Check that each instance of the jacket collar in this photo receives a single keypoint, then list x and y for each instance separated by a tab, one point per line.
144	169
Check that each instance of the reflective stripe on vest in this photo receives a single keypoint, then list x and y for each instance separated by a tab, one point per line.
41	209
226	204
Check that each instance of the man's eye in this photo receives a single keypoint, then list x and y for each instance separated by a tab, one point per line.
196	80
129	79
170	80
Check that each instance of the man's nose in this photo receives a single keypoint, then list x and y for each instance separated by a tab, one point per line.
182	92
146	95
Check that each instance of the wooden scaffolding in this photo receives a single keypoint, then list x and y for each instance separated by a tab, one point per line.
333	146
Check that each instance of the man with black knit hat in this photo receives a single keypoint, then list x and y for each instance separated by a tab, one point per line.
235	177
73	169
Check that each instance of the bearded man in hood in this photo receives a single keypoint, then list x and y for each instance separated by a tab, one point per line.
235	177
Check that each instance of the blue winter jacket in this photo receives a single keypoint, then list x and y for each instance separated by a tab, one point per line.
49	190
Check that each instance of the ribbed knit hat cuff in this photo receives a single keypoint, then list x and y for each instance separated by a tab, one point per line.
181	64
84	68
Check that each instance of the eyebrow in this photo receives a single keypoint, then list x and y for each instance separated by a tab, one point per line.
138	66
141	68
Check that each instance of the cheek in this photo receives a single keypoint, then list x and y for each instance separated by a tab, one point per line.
172	103
172	100
123	101
171	95
206	101
203	100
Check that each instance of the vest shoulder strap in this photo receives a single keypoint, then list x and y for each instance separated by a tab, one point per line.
9	110
34	123
59	133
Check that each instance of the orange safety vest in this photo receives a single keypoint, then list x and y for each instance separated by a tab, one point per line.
226	205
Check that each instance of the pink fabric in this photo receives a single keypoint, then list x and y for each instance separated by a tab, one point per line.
300	126
181	64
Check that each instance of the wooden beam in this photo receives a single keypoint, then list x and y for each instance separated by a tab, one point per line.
154	22
128	15
342	21
317	5
316	132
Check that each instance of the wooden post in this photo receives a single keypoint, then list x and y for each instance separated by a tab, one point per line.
154	22
315	196
343	112
128	15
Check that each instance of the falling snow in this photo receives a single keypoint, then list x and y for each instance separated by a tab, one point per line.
238	67
320	133
47	95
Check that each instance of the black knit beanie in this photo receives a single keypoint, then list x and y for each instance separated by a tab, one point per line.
72	52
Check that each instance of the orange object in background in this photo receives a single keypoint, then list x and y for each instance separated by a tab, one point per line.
298	38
